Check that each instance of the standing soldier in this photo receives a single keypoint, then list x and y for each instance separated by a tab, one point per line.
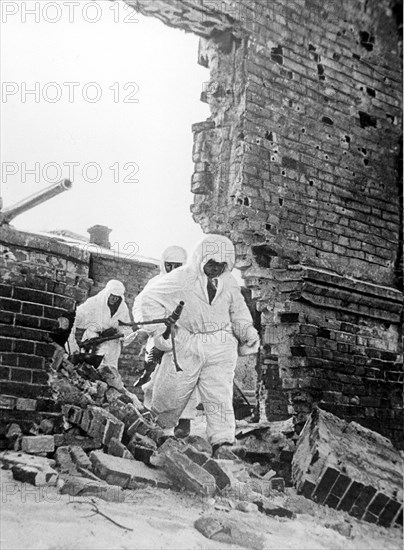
214	322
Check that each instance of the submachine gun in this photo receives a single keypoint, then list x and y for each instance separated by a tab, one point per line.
89	346
155	355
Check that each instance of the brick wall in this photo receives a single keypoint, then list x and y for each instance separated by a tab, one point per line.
334	341
40	279
299	164
134	274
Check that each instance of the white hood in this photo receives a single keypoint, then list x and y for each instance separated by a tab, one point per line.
175	254
213	247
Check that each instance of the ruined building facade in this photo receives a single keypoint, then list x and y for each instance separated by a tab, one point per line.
299	164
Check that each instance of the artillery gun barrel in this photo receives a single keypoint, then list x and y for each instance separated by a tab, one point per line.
10	213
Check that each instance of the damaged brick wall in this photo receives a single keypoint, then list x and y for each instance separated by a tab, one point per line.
299	165
40	279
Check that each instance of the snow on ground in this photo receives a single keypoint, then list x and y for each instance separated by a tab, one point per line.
40	518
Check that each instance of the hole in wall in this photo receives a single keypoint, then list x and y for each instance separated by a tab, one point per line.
366	40
366	120
277	55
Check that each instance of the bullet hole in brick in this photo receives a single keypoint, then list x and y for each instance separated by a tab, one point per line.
364	151
347	139
283	172
277	55
280	202
268	226
303	130
312	48
326	157
366	40
336	56
356	56
354	174
263	255
327	120
367	120
371	92
311	182
365	162
317	146
273	159
269	136
246	201
241	135
240	202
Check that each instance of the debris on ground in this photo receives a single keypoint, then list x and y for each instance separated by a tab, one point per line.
106	445
348	467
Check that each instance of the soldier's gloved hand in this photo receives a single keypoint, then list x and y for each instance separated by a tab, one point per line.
162	344
109	332
155	356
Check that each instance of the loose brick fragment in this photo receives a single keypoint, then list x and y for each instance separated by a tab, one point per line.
348	467
186	474
64	460
126	473
117	448
34	476
80	457
38	444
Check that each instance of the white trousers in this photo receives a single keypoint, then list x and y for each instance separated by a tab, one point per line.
208	361
190	408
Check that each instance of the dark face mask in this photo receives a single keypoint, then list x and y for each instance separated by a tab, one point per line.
170	266
214	269
113	303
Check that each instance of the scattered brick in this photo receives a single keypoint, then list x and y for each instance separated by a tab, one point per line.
117	448
126	473
38	444
64	460
79	487
187	474
34	476
348	467
79	457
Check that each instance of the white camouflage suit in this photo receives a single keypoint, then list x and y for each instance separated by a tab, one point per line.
207	336
175	254
95	316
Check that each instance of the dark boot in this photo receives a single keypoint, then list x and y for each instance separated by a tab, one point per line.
222	451
183	428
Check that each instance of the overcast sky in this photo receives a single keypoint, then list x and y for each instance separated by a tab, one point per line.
116	97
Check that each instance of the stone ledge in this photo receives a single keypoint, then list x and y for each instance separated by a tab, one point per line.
31	241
